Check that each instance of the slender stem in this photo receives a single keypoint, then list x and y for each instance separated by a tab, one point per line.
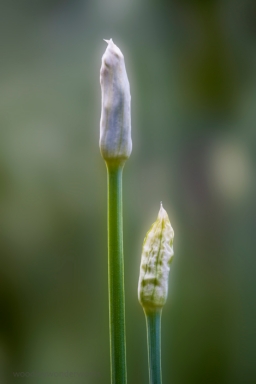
153	320
116	276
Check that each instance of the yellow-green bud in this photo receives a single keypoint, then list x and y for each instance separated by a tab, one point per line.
157	254
115	123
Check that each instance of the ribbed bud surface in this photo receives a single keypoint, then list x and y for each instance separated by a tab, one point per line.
157	254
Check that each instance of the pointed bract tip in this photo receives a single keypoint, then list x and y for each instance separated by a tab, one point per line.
162	214
108	41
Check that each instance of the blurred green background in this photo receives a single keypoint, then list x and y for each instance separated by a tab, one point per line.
192	69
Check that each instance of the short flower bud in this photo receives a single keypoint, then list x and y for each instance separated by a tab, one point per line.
157	254
115	123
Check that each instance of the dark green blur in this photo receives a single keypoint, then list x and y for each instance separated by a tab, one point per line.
192	71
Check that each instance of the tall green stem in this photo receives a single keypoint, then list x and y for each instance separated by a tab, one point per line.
116	275
153	320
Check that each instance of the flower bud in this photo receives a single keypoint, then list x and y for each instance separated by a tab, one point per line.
157	254
115	123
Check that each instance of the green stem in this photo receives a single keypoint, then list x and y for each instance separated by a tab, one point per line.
153	320
116	275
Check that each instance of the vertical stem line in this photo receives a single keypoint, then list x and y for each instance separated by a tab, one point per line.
116	276
153	320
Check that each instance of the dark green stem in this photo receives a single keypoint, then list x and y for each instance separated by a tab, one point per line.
153	320
116	275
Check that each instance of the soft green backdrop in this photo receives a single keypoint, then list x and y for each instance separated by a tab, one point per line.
192	69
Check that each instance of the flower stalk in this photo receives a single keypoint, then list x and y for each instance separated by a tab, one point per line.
116	276
153	323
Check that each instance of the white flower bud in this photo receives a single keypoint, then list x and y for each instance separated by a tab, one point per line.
115	123
157	254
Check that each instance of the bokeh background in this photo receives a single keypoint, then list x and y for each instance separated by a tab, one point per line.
192	69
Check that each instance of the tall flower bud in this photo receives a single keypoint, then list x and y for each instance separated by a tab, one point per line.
115	123
157	254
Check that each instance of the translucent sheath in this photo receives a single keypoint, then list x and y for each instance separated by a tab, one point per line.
157	254
115	123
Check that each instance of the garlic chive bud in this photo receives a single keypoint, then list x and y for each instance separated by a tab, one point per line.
157	254
115	123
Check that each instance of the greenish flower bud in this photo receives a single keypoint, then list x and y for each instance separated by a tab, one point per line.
157	254
115	123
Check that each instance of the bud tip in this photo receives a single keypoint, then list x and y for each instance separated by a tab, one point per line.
162	214
108	41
